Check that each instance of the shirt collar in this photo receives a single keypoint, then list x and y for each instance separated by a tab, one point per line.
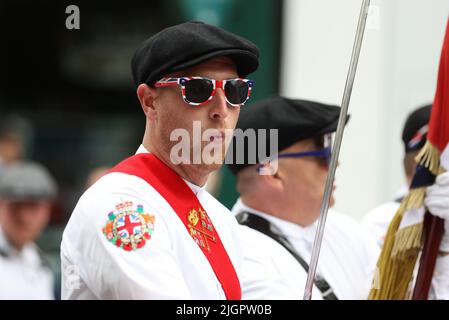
142	149
289	229
195	188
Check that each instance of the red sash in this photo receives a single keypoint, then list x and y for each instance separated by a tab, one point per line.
186	205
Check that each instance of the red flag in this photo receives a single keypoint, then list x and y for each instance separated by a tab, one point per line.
439	120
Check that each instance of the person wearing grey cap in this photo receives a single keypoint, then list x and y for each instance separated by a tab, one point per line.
27	192
148	229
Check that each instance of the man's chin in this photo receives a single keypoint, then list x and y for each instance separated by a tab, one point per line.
215	166
211	167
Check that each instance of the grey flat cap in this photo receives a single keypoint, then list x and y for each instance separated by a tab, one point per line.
27	181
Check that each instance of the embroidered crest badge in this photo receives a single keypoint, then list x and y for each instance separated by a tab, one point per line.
129	228
201	228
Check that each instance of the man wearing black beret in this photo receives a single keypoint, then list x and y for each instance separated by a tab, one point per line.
148	229
280	210
414	136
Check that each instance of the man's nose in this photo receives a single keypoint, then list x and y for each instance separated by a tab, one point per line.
219	106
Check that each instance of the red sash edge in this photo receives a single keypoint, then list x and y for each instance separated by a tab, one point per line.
182	199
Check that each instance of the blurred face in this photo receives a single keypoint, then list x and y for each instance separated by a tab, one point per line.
168	112
23	221
304	180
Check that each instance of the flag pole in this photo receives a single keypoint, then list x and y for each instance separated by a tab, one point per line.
433	232
336	148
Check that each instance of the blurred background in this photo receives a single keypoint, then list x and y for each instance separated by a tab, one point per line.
68	99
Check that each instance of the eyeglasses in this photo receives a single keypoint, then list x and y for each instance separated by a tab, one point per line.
198	91
322	153
322	142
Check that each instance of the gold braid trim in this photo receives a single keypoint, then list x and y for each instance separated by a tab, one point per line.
401	247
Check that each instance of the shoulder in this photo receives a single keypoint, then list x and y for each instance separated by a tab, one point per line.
378	219
120	184
351	231
382	214
114	189
262	249
344	222
119	241
96	211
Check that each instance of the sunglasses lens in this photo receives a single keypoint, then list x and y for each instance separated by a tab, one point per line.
198	90
236	91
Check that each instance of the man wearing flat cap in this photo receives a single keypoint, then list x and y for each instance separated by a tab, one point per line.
279	211
148	229
27	191
414	136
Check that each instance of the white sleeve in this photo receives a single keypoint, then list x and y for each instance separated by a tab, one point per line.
440	282
110	272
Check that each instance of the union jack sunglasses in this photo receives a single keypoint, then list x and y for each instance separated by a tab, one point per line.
197	91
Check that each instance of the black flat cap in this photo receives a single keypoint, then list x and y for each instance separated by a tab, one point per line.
414	134
295	120
184	45
27	181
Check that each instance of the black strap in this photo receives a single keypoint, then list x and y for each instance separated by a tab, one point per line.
262	225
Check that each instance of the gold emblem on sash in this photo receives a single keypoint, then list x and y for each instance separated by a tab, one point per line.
201	228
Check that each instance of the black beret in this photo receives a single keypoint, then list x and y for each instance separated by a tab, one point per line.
416	121
295	120
184	45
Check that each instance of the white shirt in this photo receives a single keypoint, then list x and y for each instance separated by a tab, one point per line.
170	265
378	219
23	274
347	259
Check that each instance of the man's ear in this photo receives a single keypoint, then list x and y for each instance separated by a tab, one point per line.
273	175
147	96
